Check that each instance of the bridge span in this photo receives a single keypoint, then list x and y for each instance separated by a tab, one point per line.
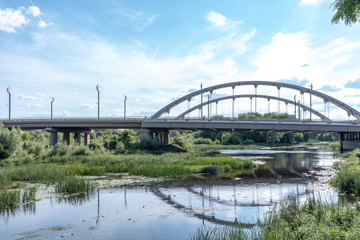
161	122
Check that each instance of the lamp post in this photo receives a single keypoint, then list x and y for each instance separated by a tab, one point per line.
8	90
311	86
295	105
125	98
201	111
98	102
208	106
52	100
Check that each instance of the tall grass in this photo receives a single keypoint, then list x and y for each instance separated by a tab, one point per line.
347	179
74	185
291	220
12	198
53	169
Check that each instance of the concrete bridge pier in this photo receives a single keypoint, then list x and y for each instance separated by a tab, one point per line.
162	135
77	138
53	138
349	141
66	135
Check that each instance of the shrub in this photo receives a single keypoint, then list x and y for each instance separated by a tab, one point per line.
10	141
81	151
203	141
61	148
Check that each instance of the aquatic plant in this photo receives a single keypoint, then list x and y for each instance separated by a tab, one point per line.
74	185
12	198
291	219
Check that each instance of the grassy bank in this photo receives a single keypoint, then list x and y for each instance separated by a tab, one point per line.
347	179
54	169
292	220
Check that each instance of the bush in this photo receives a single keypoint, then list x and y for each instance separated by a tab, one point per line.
10	141
120	148
203	141
181	142
61	148
81	151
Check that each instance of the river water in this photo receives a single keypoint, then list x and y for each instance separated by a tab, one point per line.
173	211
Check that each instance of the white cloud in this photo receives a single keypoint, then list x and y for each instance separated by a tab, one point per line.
11	19
305	2
34	105
34	11
27	98
43	24
88	106
216	18
133	18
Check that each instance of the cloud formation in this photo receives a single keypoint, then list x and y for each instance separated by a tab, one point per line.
216	18
11	19
34	11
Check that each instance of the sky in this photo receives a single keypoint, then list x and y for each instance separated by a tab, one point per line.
156	51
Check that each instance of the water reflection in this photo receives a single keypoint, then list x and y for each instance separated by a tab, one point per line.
28	208
160	211
76	200
243	203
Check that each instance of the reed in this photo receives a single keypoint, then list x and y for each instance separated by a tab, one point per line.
291	219
72	185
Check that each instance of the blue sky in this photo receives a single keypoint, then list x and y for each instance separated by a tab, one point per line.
156	51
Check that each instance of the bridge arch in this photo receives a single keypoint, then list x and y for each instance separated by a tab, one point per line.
286	101
326	98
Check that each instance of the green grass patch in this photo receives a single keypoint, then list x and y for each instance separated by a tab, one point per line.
347	179
313	219
12	198
72	185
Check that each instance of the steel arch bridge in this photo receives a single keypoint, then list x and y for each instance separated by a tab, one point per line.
278	85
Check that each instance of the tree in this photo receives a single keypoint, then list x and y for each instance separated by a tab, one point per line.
346	10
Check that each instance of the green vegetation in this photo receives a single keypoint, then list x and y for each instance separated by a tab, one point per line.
75	185
347	179
346	10
12	198
292	220
27	157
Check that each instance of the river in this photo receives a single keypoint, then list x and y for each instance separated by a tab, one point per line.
172	211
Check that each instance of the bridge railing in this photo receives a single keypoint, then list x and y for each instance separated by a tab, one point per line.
307	120
64	119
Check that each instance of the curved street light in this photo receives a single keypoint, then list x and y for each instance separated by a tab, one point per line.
52	100
125	98
98	90
8	90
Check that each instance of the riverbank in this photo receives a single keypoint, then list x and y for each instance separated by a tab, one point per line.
69	174
347	179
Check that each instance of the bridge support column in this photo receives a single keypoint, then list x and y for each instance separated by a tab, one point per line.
166	137
77	138
145	134
342	138
66	137
53	138
86	139
349	141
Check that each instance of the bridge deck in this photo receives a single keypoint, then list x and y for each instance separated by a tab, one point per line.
138	123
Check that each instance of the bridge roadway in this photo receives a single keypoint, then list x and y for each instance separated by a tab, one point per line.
189	124
349	131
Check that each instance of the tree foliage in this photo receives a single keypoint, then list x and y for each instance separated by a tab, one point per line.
10	141
346	10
